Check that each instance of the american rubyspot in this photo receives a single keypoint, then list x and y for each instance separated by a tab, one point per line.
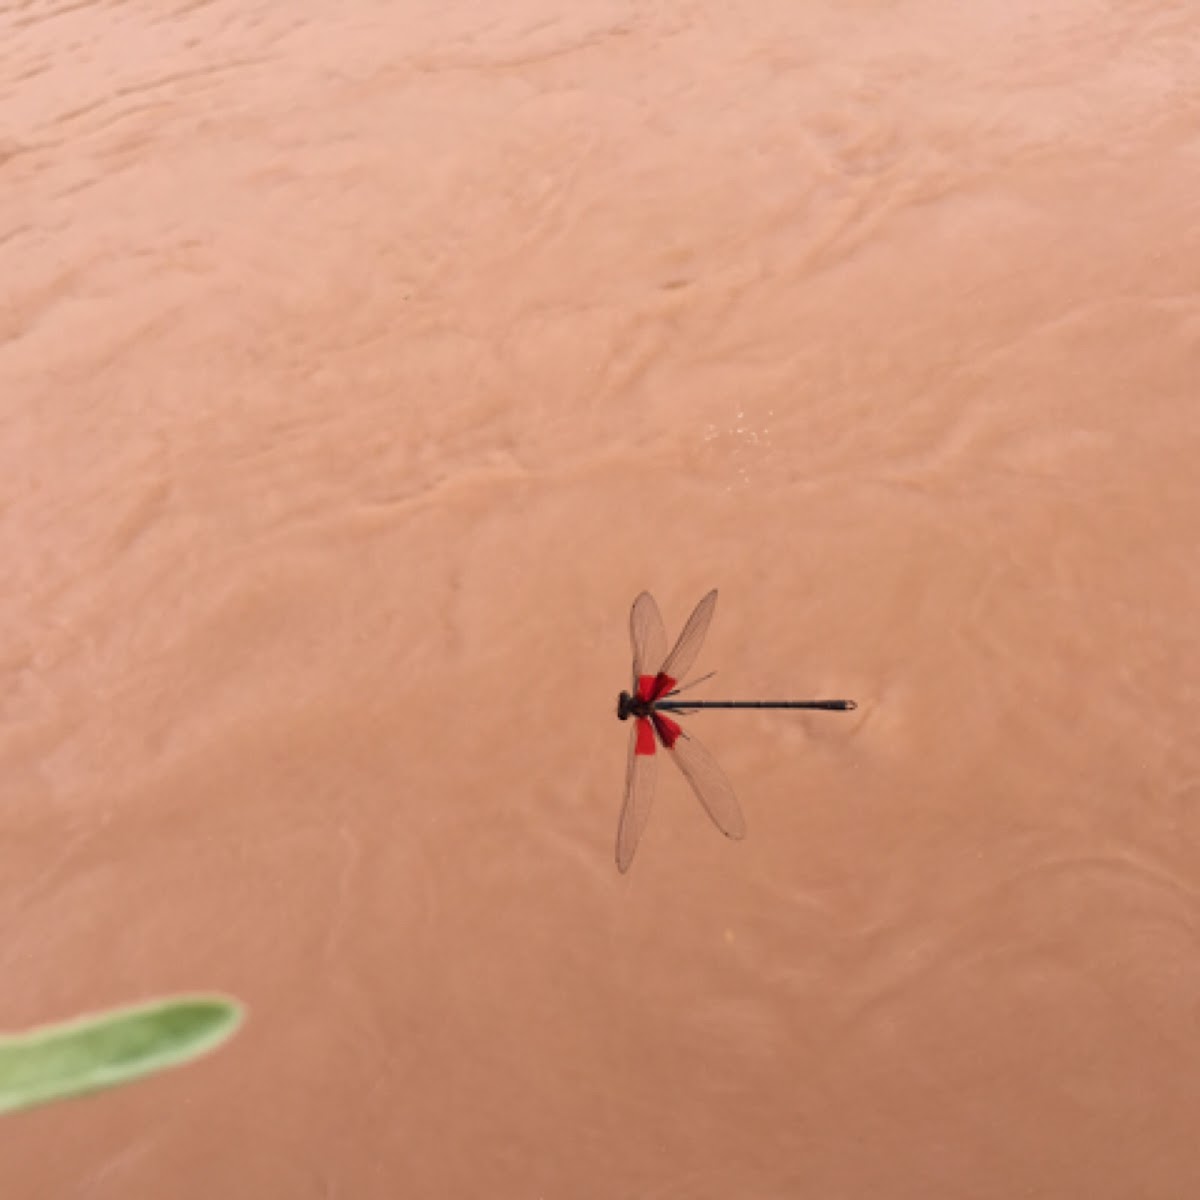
655	676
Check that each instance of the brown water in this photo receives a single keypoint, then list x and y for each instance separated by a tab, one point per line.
360	365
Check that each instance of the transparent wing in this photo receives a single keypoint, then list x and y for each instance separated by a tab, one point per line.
708	781
680	660
639	795
647	636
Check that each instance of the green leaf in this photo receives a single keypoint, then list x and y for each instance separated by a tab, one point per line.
108	1048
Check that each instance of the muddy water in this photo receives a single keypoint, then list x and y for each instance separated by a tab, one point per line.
357	371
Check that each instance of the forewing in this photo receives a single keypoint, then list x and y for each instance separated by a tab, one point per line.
639	796
647	636
680	660
708	781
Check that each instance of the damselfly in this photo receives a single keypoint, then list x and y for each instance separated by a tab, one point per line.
655	676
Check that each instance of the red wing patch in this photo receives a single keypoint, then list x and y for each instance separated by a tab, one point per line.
645	737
